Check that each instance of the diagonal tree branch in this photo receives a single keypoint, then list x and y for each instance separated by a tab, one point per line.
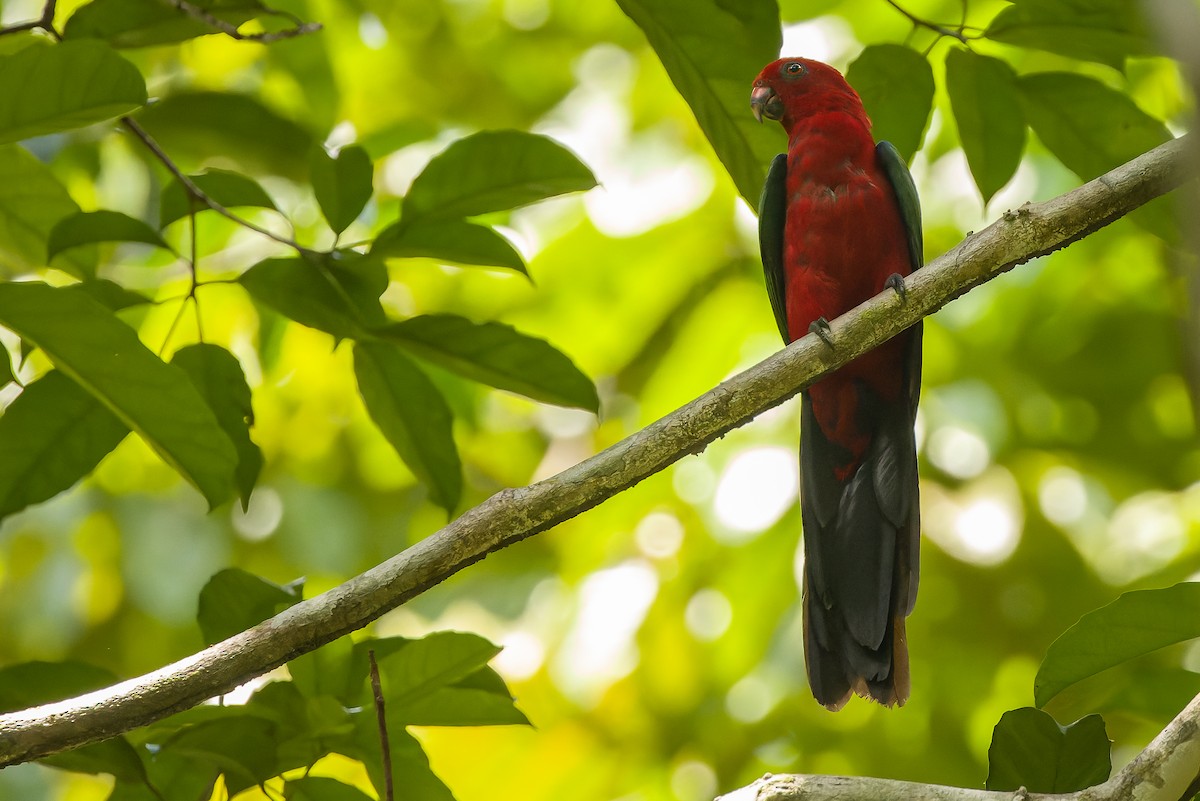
515	514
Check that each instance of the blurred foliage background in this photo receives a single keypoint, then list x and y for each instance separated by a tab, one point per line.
655	641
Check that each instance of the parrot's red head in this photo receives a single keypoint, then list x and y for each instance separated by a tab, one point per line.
793	88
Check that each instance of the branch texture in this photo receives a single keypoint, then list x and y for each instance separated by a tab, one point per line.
515	514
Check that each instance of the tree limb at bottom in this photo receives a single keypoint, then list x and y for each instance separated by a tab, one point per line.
515	514
1165	771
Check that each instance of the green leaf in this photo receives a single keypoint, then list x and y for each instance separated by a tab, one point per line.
436	660
207	125
230	189
1029	749
712	49
896	87
342	184
497	355
218	376
113	296
68	85
104	356
138	23
32	201
318	788
991	125
408	760
234	600
1135	624
456	241
328	671
412	415
494	171
1105	31
51	436
457	706
240	746
90	227
321	293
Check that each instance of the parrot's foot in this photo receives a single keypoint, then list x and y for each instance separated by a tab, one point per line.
895	282
820	327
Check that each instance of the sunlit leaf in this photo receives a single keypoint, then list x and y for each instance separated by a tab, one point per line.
104	355
342	184
413	416
32	201
234	600
987	108
51	436
91	227
1135	624
497	355
1029	749
69	85
896	87
139	23
712	50
494	171
229	189
319	788
218	376
320	293
456	241
1106	31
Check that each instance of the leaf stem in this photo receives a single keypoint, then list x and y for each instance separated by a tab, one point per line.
918	22
230	30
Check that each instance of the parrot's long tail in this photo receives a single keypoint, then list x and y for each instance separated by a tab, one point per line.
861	541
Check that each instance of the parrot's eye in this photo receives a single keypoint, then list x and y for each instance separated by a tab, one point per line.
793	68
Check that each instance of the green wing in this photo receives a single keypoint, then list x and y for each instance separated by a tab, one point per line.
772	212
906	193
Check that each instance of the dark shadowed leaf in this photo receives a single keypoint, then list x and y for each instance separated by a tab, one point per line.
7	376
987	108
456	241
111	295
322	293
1029	749
1106	31
319	788
218	376
712	50
32	201
494	171
240	746
342	184
138	23
69	85
104	355
497	355
896	87
51	436
413	416
1133	625
91	227
234	600
229	189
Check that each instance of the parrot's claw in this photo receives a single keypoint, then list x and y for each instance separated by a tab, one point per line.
820	327
895	282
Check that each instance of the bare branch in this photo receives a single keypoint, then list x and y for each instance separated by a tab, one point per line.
515	514
940	30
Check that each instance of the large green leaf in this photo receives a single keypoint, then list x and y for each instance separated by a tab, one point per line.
896	87
494	171
987	107
241	746
320	292
319	788
229	189
32	201
206	125
1135	624
409	762
436	660
342	184
91	227
234	600
56	88
218	376
143	23
456	241
712	50
1029	749
111	295
104	355
413	416
497	355
1106	31
51	436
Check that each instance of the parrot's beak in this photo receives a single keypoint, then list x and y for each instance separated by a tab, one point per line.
765	103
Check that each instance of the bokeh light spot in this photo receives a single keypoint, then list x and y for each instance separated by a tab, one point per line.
659	535
708	614
756	488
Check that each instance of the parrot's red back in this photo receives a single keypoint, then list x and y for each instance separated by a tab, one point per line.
838	223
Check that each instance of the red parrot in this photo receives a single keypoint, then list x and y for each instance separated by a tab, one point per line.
839	221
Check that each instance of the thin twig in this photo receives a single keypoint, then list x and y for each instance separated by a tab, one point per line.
232	31
918	22
384	745
43	23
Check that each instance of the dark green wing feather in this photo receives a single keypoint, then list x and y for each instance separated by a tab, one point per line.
772	212
906	193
